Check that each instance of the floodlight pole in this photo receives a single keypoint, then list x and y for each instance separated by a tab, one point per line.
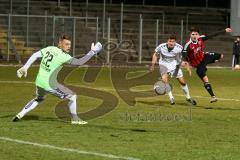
97	29
96	40
187	16
70	8
86	23
140	39
163	23
181	42
11	6
45	28
157	25
74	36
53	30
27	28
9	37
108	40
58	3
206	3
103	19
121	22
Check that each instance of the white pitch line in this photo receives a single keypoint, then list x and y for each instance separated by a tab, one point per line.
18	82
29	82
110	156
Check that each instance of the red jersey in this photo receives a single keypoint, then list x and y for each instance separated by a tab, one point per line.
194	51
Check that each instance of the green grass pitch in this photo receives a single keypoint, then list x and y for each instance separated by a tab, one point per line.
144	127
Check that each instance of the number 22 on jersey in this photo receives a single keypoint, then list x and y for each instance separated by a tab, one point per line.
48	58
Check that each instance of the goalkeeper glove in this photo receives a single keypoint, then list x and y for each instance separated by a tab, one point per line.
22	71
96	48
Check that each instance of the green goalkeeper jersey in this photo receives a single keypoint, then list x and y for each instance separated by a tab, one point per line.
52	62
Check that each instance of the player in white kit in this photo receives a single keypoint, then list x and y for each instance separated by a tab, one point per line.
169	63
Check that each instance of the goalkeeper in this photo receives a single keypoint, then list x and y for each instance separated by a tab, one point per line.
52	60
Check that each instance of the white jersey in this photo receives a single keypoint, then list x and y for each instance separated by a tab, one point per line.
169	59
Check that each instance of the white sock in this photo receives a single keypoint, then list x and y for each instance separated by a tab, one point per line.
29	106
73	106
170	95
186	91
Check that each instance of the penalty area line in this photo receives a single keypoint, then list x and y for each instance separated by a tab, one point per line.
109	156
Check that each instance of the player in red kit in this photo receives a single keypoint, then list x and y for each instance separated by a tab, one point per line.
194	56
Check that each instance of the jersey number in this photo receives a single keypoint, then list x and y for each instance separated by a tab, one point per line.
48	58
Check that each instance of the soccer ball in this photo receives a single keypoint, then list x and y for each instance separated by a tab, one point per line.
162	88
237	67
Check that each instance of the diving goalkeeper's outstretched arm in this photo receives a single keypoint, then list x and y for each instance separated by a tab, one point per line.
23	70
74	61
94	50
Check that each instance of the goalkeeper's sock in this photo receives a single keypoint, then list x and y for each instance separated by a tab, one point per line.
186	91
73	106
209	88
29	106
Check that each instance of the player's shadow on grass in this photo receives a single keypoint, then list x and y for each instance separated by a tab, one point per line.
27	117
39	118
49	119
186	104
155	103
218	108
160	103
32	118
120	129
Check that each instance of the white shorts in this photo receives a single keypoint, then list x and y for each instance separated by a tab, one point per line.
171	71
